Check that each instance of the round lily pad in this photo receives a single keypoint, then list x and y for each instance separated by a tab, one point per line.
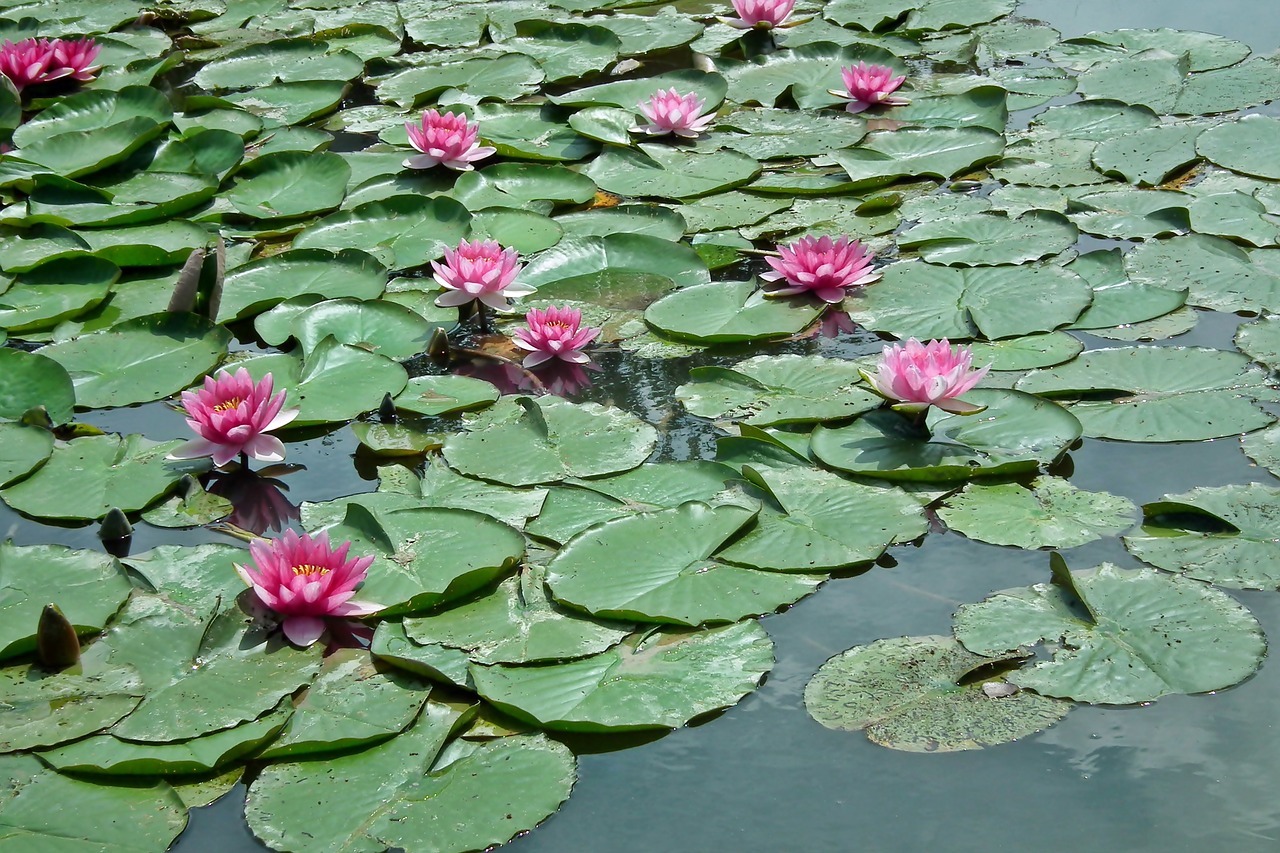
1050	514
652	680
1121	636
28	380
911	694
771	389
729	312
1224	535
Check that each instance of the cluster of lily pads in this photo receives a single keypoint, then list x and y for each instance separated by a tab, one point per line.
240	200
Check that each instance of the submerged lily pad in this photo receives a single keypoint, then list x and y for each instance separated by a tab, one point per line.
1122	635
915	694
1224	535
652	680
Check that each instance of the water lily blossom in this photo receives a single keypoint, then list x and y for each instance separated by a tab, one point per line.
555	333
304	580
445	139
670	112
869	85
821	266
38	60
481	270
916	376
764	14
232	416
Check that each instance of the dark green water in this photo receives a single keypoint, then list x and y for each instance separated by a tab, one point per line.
1183	774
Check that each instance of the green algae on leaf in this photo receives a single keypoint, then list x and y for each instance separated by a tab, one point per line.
914	694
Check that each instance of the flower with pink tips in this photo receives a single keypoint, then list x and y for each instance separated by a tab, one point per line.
37	60
480	270
74	58
445	139
765	14
670	112
232	415
821	266
306	581
869	85
916	376
556	333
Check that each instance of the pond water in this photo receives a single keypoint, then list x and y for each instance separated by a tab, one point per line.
1179	774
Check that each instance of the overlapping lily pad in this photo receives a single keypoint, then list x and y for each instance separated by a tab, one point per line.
769	390
1050	514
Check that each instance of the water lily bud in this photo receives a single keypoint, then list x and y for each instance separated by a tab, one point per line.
37	416
116	533
438	347
387	410
57	645
186	486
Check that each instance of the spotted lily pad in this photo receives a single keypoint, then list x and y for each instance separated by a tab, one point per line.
1224	535
1124	635
921	694
652	680
42	708
1050	514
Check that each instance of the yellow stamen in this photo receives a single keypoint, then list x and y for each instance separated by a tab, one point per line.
310	570
227	405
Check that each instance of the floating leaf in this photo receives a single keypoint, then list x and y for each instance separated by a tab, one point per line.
912	694
282	61
1125	636
885	157
652	680
404	231
988	239
288	184
1247	145
28	380
769	390
660	171
258	285
1050	514
40	708
729	312
1216	273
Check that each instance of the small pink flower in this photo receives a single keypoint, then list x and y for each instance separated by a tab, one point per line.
556	333
445	138
868	85
231	415
74	58
27	62
480	270
671	112
765	14
917	376
304	580
821	266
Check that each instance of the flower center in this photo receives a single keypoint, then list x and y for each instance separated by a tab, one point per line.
307	569
228	405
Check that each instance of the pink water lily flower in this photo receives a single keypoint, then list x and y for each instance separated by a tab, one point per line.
480	270
916	376
765	14
231	415
868	86
555	333
74	58
304	580
670	112
821	266
445	138
37	60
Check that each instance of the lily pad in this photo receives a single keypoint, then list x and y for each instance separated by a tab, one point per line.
28	380
1125	635
729	312
403	231
653	680
939	152
1216	273
258	285
771	389
43	708
989	239
1050	514
660	171
914	694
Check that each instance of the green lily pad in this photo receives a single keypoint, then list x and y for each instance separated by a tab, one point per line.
28	380
1223	535
292	103
517	185
148	358
1050	514
506	77
442	395
1131	214
516	623
1017	432
989	239
1150	156
729	312
655	170
282	61
259	284
439	663
626	94
587	260
41	708
912	694
386	329
93	111
1157	393
660	567
83	152
1247	145
807	72
888	156
289	184
22	449
1125	635
196	577
524	441
403	231
650	681
772	389
1117	301
88	587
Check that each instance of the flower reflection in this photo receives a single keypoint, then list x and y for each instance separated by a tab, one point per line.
560	378
259	503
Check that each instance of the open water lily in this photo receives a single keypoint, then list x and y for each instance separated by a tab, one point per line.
306	581
821	266
764	14
479	271
38	60
232	416
916	376
867	86
670	112
446	139
555	333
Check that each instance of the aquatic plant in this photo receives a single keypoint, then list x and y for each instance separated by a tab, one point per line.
670	112
821	266
232	415
555	333
916	376
41	60
868	86
446	139
764	14
479	271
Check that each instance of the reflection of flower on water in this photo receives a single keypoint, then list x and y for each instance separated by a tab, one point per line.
259	502
560	378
